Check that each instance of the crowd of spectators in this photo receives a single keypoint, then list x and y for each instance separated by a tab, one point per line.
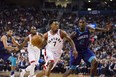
102	43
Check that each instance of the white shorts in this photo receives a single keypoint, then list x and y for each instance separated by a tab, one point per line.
33	55
51	56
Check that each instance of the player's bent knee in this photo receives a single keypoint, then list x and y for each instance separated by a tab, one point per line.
71	71
94	62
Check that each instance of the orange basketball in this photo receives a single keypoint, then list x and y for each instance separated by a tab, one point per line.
36	40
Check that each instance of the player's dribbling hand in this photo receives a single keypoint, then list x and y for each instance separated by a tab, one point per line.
75	53
16	49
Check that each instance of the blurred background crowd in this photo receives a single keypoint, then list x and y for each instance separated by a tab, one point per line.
21	18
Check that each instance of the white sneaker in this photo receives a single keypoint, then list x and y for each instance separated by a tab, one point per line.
12	75
22	73
34	76
29	76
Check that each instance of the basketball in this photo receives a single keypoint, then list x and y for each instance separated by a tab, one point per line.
36	40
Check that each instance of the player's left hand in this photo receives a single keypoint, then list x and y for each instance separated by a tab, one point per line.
108	26
75	53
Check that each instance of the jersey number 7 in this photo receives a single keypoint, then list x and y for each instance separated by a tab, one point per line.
54	43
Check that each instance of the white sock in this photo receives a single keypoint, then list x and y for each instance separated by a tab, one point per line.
31	76
12	75
34	76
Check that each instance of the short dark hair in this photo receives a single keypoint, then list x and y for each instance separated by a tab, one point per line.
33	26
83	18
53	20
8	28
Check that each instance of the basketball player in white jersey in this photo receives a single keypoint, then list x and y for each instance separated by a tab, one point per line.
53	49
33	53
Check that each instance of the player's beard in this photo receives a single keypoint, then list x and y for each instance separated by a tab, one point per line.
9	35
82	28
33	33
55	31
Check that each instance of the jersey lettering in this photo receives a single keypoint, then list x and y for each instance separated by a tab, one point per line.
54	42
54	39
82	37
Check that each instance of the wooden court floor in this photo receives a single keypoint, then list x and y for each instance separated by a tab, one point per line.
6	74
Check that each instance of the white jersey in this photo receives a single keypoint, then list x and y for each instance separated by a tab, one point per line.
33	51
54	42
30	46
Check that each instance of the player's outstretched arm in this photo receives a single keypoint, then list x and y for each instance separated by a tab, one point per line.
4	40
45	37
101	29
98	29
14	42
67	37
24	43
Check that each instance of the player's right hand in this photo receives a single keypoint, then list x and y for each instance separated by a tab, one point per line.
75	53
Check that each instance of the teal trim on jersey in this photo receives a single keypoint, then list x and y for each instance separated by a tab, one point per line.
13	60
91	58
72	67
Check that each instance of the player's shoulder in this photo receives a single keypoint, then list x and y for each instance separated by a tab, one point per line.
62	31
45	35
76	29
87	27
40	34
4	36
29	35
